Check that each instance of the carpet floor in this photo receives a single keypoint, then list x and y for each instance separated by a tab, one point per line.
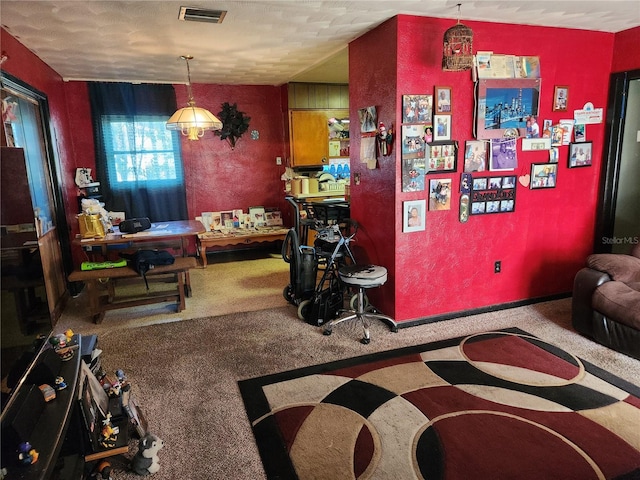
502	405
185	368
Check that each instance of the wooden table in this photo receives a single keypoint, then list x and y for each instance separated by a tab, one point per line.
237	237
176	232
180	231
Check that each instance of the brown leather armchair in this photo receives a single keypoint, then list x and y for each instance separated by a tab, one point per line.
606	301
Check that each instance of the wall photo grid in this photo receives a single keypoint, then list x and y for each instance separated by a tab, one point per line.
510	101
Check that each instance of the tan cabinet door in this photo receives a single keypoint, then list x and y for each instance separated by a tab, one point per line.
309	136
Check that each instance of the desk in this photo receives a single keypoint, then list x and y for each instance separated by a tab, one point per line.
237	237
179	231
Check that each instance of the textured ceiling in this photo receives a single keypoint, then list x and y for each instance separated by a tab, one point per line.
267	42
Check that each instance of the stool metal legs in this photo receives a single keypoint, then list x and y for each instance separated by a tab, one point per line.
364	316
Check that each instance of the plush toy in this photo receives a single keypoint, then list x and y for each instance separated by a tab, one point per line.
145	461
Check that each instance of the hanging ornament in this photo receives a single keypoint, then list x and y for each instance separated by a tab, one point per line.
458	47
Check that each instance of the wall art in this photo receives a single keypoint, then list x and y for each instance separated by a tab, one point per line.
413	143
560	98
442	125
493	195
442	156
505	104
580	154
440	194
503	154
543	175
417	108
443	100
413	171
413	215
475	156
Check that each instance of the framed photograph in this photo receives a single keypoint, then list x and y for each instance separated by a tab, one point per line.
506	104
257	216
443	100
440	194
503	154
413	175
475	156
442	124
579	131
368	119
442	156
417	108
560	98
413	215
226	219
495	194
543	175
412	142
580	154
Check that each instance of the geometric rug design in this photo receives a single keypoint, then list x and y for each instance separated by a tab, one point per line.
494	405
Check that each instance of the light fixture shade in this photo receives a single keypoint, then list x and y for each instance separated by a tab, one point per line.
193	121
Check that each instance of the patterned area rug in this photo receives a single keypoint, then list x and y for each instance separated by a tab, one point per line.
495	405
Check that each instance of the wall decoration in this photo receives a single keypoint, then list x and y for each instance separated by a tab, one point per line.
443	100
442	156
504	104
234	124
475	156
440	194
442	125
493	195
417	108
412	142
428	133
560	98
546	129
529	144
413	171
413	215
368	119
503	154
557	134
554	154
580	132
543	175
580	154
457	50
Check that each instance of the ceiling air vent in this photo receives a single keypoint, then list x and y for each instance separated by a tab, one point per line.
196	14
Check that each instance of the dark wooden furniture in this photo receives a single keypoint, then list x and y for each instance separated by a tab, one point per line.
101	288
50	432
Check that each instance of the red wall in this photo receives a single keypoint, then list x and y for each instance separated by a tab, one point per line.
626	55
449	266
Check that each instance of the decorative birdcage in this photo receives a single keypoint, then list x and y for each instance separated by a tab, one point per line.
458	48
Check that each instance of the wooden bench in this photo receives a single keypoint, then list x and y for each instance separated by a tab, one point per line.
101	300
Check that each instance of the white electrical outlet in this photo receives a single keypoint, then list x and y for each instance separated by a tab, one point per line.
278	160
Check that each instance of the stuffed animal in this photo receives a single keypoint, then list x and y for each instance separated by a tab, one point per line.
145	461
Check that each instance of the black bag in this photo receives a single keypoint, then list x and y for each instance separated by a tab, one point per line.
135	225
144	260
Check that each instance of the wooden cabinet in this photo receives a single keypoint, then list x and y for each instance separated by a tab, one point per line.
309	137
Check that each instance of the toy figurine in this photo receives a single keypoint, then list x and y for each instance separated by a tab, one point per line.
109	433
145	460
384	139
27	455
60	383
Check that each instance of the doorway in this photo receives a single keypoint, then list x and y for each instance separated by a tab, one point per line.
618	221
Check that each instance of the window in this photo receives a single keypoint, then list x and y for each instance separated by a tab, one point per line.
141	150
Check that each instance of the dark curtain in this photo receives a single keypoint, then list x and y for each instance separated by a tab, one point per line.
156	200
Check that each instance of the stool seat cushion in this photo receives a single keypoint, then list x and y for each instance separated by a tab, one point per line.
363	275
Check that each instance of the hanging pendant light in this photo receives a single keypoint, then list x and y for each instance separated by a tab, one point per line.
458	47
192	121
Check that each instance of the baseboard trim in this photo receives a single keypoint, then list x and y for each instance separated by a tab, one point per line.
476	311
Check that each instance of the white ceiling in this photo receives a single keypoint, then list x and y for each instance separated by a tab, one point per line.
268	42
